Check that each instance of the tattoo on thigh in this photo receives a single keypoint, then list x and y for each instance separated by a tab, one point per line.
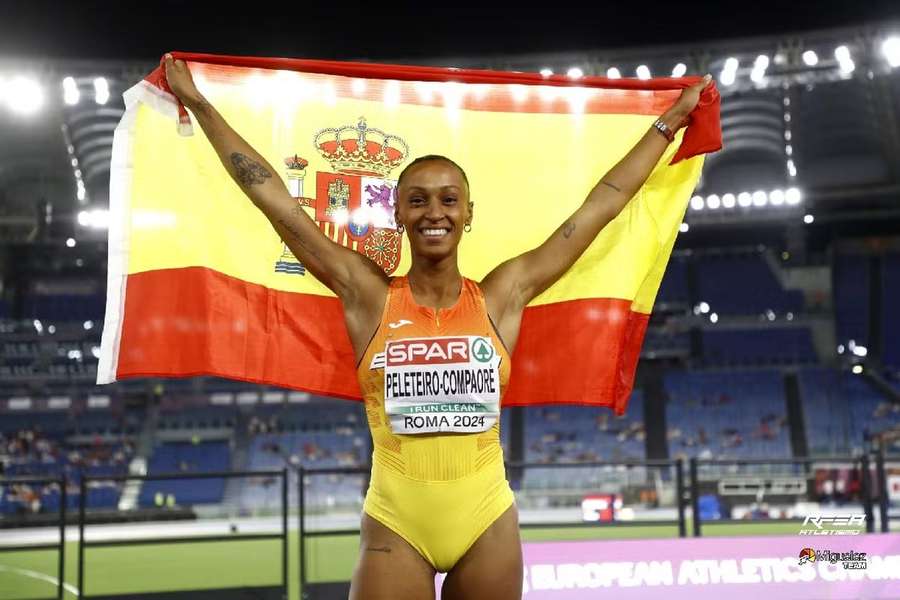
385	549
568	228
248	171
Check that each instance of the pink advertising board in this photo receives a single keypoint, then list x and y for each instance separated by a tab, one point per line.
736	568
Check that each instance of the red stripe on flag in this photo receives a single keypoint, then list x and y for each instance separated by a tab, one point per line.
197	321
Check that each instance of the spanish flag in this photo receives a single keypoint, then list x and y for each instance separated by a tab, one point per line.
200	284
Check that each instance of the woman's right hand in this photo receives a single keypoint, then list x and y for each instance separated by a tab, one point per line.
180	81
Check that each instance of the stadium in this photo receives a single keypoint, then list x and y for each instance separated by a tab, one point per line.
757	451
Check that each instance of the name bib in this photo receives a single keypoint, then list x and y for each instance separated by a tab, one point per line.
441	384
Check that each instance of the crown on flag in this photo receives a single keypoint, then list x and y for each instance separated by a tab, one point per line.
361	150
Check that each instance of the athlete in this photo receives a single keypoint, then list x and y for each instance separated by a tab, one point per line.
433	351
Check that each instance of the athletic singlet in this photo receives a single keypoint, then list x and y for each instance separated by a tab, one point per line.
439	491
429	457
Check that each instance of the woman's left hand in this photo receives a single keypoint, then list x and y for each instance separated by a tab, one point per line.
690	96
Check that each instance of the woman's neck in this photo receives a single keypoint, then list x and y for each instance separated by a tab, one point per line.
435	285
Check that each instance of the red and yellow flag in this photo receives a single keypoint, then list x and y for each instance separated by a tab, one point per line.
200	283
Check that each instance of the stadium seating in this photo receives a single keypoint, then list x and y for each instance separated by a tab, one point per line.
768	346
187	457
742	284
726	414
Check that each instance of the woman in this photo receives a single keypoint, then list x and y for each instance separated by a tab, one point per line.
438	498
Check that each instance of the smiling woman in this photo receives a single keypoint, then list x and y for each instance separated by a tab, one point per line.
438	499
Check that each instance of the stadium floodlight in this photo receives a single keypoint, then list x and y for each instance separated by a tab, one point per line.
788	149
713	202
810	58
71	95
891	50
643	72
679	70
842	53
51	329
575	73
787	135
727	77
857	369
776	197
613	73
760	198
761	62
713	318
793	196
731	64
744	199
860	351
38	326
101	90
88	325
97	218
23	95
840	348
808	219
704	307
697	203
546	72
791	167
70	243
684	228
728	200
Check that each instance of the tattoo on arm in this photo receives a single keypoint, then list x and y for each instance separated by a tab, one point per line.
568	228
248	171
297	236
610	185
385	549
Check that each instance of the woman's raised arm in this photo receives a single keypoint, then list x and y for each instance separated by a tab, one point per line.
348	274
513	284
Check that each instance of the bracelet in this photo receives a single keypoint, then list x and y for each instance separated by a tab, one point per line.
664	130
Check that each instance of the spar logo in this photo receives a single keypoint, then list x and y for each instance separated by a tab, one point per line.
427	351
482	350
438	351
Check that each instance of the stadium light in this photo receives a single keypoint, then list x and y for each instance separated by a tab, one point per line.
101	90
88	325
744	199
71	95
684	228
760	198
810	58
808	219
575	73
697	203
613	73
546	72
23	95
842	54
679	70
713	318
776	197
728	200
891	50
70	243
793	196
857	369
713	202
97	218
643	72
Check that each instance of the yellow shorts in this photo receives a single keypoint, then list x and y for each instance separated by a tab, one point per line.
440	519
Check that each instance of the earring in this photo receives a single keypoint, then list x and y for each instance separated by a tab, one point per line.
399	227
467	228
